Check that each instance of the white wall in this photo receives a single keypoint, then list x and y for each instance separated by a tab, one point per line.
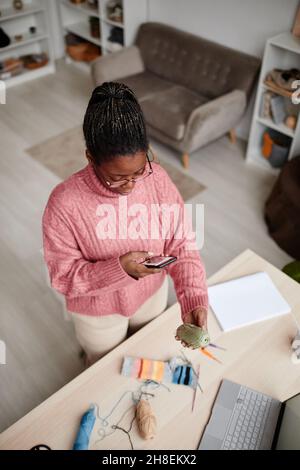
241	24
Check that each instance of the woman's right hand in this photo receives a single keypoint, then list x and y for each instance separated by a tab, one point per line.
131	263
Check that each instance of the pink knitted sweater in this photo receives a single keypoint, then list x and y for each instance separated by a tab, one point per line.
84	236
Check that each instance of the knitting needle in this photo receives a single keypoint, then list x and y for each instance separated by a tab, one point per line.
195	391
210	355
217	346
189	363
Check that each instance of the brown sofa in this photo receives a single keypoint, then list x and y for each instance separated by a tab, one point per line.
191	90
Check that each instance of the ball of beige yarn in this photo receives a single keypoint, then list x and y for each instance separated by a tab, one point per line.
146	420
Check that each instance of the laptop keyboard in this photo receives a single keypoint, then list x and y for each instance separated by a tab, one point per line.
247	421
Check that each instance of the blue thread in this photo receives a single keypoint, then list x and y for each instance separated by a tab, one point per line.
176	375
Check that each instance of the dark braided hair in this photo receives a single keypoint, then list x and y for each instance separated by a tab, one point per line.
114	123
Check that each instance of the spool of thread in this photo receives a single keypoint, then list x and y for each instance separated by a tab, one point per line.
146	420
194	336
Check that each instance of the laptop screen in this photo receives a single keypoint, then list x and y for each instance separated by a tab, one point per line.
289	432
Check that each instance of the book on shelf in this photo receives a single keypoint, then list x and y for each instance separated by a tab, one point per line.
278	109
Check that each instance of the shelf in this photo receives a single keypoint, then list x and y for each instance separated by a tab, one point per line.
27	39
282	52
286	41
11	13
282	128
82	29
82	8
74	18
30	75
18	48
113	23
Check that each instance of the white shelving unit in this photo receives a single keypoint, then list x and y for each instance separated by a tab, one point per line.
282	52
75	19
82	29
15	22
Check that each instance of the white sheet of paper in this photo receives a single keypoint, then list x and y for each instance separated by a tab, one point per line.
246	300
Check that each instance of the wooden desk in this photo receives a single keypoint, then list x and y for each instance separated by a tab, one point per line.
257	356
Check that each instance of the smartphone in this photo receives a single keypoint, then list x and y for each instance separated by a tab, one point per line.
159	261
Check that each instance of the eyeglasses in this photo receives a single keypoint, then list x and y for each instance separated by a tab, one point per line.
146	172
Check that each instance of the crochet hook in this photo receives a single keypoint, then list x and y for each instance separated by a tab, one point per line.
195	392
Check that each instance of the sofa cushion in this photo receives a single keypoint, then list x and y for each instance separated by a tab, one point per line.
169	110
203	66
146	84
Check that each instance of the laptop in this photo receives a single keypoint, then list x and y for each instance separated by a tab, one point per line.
244	419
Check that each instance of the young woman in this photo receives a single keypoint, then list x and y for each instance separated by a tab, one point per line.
96	229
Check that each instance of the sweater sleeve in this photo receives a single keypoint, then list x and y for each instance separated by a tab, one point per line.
188	272
71	274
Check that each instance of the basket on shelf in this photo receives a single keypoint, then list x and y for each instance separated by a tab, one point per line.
84	52
10	68
34	61
77	2
275	147
80	49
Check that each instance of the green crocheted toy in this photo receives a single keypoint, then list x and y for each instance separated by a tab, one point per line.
194	336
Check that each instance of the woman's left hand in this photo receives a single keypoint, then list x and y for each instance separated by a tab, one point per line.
197	317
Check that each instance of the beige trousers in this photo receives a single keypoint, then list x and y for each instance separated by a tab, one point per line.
99	335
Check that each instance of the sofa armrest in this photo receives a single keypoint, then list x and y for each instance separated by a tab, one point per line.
213	119
118	64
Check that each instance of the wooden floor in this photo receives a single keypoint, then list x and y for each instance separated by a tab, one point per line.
42	352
